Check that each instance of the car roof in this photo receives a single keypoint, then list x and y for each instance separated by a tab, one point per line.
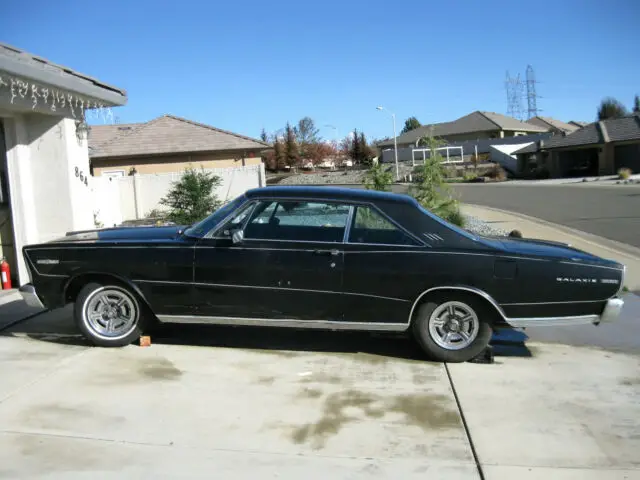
329	193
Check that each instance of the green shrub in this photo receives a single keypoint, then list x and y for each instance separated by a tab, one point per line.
192	197
469	176
378	178
624	173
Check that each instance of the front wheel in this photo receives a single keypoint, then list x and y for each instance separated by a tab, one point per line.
108	315
453	328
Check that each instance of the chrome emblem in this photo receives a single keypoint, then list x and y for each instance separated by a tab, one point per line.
576	280
47	261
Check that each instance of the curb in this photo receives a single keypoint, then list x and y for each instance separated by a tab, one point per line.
611	245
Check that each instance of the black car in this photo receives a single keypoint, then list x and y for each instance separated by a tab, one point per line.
322	257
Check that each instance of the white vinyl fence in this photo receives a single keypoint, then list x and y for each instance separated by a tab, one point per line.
117	199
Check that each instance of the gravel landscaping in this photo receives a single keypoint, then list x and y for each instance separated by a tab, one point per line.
325	178
479	227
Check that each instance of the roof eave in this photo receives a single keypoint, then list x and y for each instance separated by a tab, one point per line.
102	156
111	96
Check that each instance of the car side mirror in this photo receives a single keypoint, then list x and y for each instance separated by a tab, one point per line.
237	237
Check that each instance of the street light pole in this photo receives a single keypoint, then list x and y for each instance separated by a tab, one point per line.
395	140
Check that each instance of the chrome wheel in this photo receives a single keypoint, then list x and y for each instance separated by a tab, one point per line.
454	325
110	312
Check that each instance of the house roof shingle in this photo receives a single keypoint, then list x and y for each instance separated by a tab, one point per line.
26	65
474	122
552	122
164	135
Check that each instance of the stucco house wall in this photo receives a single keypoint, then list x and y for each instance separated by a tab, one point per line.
45	157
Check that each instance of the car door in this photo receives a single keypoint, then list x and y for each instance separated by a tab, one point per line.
383	264
288	265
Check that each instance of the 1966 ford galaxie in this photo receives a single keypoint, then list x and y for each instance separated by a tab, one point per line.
322	257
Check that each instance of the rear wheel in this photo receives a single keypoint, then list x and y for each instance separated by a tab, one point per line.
108	315
453	328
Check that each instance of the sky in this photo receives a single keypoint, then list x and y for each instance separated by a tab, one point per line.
247	65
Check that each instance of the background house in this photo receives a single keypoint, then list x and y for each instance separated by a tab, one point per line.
168	144
44	164
600	148
553	125
475	126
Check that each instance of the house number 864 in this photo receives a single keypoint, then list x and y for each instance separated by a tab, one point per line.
81	176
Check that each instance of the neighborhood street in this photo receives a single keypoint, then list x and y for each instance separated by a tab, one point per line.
608	211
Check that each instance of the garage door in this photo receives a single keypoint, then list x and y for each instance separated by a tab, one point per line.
628	156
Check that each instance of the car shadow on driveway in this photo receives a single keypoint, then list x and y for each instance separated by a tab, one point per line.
57	327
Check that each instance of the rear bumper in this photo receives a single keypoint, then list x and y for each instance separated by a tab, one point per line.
30	296
612	310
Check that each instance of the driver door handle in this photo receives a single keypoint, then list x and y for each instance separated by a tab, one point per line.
332	252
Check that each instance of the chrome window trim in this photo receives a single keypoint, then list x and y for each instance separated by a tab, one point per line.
373	206
350	220
211	234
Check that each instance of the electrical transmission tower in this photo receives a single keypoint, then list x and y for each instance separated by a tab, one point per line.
532	103
515	92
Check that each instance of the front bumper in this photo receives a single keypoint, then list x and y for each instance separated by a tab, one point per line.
30	296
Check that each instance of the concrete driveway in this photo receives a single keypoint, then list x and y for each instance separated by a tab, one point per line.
272	403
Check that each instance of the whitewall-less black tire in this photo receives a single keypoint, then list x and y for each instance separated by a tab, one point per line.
108	315
453	327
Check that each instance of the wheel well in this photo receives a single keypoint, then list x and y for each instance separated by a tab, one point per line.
458	293
77	283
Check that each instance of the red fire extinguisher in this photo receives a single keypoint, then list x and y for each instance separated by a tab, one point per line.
6	274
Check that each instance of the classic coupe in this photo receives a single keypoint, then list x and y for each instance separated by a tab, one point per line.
322	257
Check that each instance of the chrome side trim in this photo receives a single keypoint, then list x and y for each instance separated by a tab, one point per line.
579	264
556	303
287	323
611	311
263	287
553	321
476	291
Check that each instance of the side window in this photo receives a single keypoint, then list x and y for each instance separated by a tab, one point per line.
298	221
369	226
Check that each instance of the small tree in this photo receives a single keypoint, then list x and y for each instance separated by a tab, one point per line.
431	190
366	152
264	136
410	123
354	149
611	108
291	147
306	131
192	197
378	178
280	155
636	104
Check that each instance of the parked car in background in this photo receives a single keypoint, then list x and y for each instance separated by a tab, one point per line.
322	257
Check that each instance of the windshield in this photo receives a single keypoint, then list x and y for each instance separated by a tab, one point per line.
202	227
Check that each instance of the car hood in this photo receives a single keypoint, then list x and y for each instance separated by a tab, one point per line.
546	248
124	234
